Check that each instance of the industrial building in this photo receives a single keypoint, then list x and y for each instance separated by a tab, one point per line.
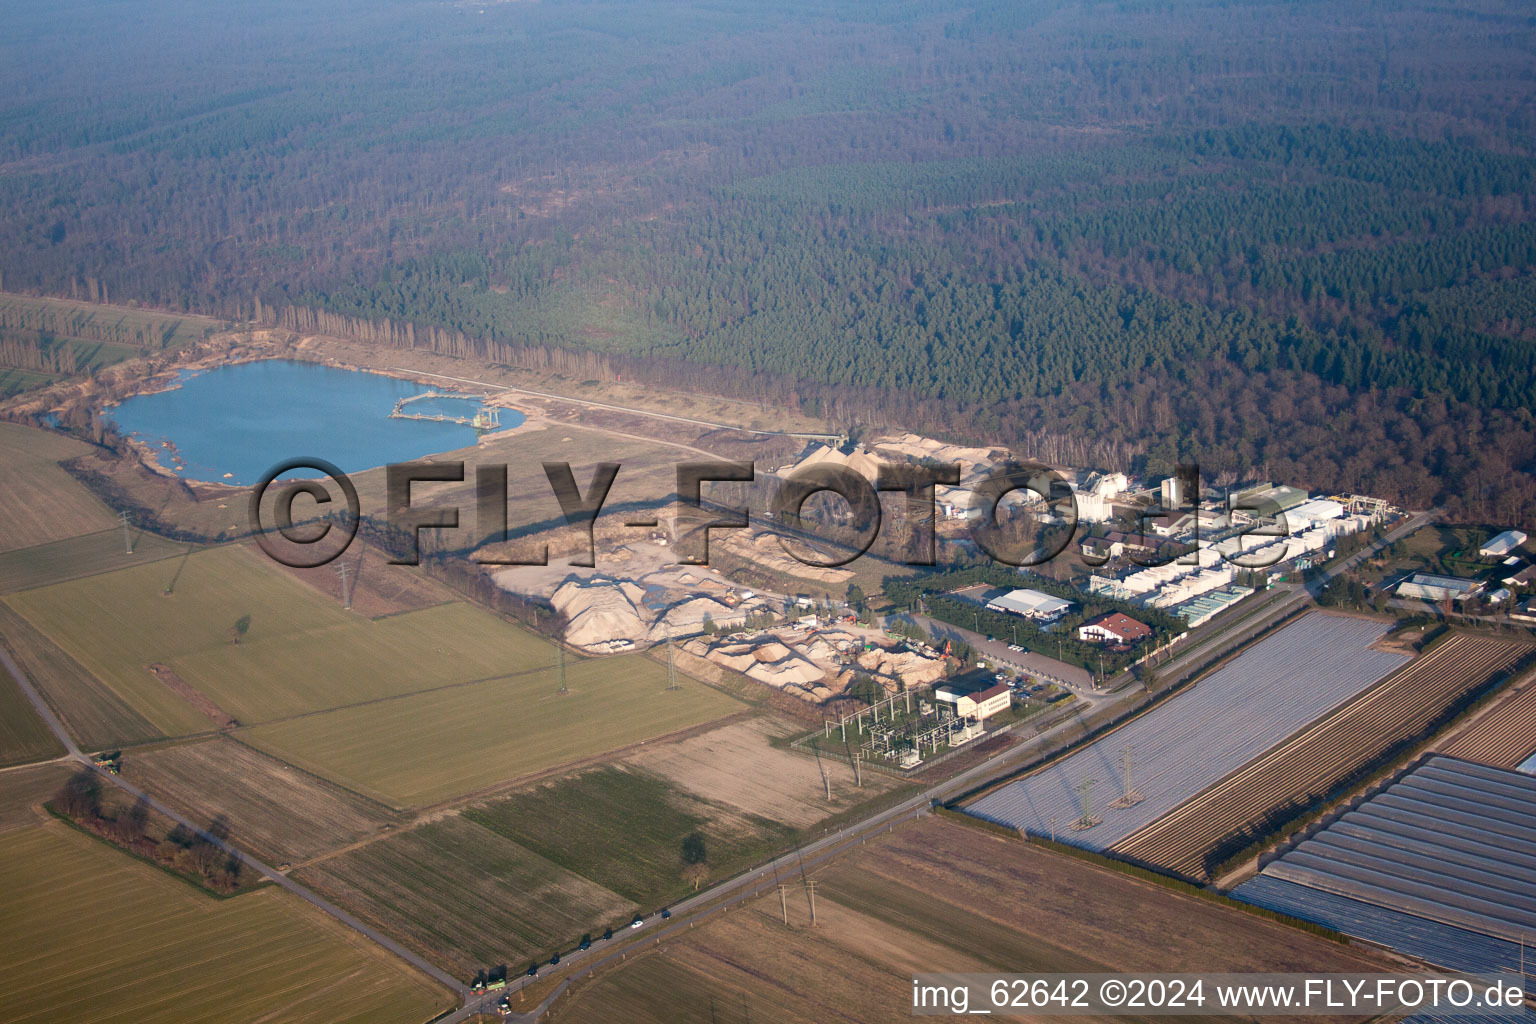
1031	604
1312	526
1206	607
1115	627
1095	501
976	705
1439	865
1426	586
1172	492
1265	497
1503	544
1309	513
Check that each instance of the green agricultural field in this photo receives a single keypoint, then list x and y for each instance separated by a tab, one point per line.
90	554
118	329
298	651
42	502
94	715
95	935
624	828
14	381
465	897
89	356
23	736
432	746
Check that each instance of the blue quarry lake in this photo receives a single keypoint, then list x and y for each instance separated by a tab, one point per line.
234	423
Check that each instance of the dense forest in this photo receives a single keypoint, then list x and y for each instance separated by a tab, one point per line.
1293	240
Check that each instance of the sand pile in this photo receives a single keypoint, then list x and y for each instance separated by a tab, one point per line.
600	611
910	667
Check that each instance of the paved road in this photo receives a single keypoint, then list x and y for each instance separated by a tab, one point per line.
77	756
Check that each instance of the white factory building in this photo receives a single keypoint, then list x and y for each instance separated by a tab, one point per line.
1095	502
1503	544
1201	588
1309	513
1031	604
1427	586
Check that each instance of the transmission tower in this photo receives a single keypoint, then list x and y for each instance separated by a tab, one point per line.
346	595
1128	795
127	537
1088	820
672	683
561	652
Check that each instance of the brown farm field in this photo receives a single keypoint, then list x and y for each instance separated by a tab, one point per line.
1217	823
465	897
23	736
737	765
1503	736
42	502
378	588
83	920
276	811
24	790
933	896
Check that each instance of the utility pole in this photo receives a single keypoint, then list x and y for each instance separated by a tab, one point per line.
561	653
672	683
784	902
858	777
810	891
127	537
346	595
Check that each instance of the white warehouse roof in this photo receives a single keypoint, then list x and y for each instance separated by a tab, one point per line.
1313	511
1031	603
1503	544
